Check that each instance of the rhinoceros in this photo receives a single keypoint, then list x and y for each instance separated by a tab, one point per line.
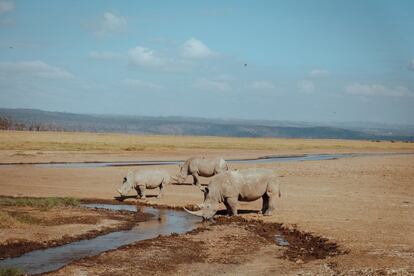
242	185
142	180
200	166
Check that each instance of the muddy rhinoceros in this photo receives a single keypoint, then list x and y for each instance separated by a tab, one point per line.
242	185
200	166
142	180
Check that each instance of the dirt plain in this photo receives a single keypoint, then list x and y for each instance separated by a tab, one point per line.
364	205
27	228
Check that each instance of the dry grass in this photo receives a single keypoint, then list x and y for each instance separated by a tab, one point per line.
16	220
8	221
13	271
109	142
41	202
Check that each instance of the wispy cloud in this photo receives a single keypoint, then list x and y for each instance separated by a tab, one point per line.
36	68
149	59
377	90
212	85
306	86
319	73
141	84
6	6
109	24
411	65
261	85
105	55
144	57
195	49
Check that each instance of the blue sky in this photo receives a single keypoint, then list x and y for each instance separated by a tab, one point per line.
316	61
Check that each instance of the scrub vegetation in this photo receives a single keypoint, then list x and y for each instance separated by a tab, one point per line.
43	203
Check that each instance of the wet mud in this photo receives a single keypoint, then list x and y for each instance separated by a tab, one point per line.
299	244
16	247
161	254
242	237
226	241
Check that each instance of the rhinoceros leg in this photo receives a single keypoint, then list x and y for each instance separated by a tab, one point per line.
143	189
232	203
229	211
196	180
265	205
271	199
138	191
272	205
162	186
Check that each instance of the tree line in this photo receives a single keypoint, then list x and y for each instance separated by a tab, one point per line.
9	124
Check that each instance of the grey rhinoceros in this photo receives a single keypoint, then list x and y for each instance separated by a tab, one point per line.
145	179
242	185
200	166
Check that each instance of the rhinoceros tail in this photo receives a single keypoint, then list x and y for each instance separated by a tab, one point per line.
222	165
279	193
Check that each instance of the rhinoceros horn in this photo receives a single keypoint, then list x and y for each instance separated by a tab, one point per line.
198	213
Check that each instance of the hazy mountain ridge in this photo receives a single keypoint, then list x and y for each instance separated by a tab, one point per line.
201	126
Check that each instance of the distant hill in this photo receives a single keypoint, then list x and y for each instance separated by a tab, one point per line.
45	120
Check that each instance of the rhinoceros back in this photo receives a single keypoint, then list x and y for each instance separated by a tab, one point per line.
152	178
252	184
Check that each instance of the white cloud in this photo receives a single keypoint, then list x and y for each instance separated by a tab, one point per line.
140	84
110	24
6	6
195	49
34	68
377	90
319	73
104	55
144	57
261	85
306	86
211	85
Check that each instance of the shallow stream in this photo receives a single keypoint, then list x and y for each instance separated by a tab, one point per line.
162	222
263	159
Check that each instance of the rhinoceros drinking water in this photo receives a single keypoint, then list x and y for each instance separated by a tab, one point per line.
142	180
200	166
243	185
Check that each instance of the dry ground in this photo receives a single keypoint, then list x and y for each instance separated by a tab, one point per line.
21	146
365	204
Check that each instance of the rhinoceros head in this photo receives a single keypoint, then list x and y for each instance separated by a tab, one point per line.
127	184
181	176
207	209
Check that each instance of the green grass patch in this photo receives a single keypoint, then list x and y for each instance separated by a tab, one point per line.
43	203
12	271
